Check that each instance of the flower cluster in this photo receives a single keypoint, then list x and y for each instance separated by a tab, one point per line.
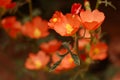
7	4
65	25
37	28
82	25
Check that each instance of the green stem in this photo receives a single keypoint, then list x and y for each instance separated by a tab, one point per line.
93	34
81	72
75	48
97	4
30	8
87	5
104	2
92	38
62	56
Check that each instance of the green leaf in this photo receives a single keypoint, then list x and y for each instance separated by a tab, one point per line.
55	65
76	59
74	56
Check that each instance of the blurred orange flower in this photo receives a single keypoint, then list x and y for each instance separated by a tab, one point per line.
51	46
37	61
11	25
7	4
92	20
66	63
37	28
98	51
65	25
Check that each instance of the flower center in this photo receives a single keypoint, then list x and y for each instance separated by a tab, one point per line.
69	28
37	33
38	64
54	19
70	60
96	51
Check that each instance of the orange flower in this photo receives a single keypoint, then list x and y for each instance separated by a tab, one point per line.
37	61
65	25
98	51
38	28
11	26
51	46
92	20
7	4
67	61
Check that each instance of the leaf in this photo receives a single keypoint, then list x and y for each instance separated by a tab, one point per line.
76	59
55	65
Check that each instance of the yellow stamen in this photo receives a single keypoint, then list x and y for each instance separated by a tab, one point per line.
55	19
96	51
38	64
37	33
70	60
69	28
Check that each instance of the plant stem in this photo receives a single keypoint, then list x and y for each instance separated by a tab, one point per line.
87	5
75	48
30	8
97	4
104	2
